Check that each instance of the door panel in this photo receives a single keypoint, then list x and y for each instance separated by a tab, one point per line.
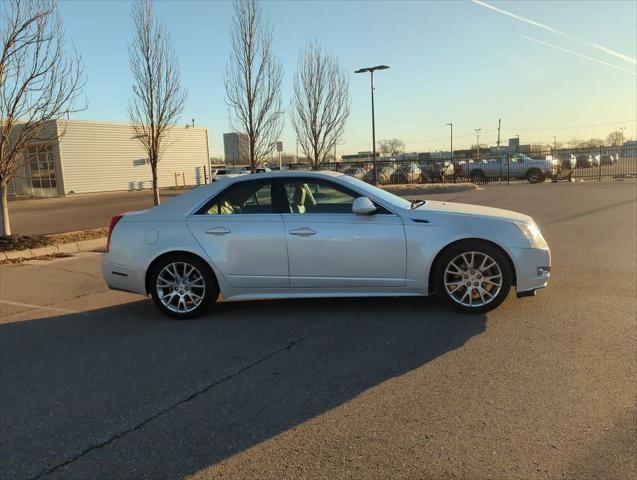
249	249
345	250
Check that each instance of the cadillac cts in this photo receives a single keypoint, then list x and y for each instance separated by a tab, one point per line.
320	234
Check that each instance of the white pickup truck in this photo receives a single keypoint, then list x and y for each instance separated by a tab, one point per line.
513	165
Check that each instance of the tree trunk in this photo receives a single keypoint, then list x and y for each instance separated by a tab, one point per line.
5	227
153	167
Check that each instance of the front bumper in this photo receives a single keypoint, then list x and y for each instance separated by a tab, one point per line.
532	269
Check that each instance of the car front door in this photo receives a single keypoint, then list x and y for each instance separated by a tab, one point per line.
243	236
329	246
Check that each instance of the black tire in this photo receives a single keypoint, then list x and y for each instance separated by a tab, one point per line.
454	251
477	177
210	292
535	176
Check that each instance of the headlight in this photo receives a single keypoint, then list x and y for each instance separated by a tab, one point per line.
532	234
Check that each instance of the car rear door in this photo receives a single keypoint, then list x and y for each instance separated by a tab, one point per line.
329	246
243	236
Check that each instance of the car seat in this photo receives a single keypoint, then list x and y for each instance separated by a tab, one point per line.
297	205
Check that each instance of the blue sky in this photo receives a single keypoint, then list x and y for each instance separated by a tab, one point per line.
455	61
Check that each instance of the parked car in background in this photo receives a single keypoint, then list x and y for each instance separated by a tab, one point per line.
437	170
219	173
407	173
567	161
584	160
514	165
597	160
257	170
320	234
385	173
608	159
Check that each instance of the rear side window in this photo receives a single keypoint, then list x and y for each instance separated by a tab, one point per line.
241	198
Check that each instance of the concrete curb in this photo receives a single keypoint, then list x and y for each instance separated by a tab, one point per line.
73	247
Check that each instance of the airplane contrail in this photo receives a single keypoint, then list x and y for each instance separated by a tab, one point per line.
626	58
522	19
606	50
577	54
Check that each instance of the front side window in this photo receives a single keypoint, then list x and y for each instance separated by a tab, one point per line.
242	198
310	196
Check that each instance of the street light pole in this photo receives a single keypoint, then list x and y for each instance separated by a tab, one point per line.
478	130
371	70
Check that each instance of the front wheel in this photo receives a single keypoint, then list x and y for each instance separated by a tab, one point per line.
473	276
183	286
478	177
535	176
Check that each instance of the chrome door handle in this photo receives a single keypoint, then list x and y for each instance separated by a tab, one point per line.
303	232
218	231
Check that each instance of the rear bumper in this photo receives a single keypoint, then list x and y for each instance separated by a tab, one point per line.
532	269
119	277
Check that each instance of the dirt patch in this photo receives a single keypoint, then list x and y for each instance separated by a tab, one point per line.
23	242
28	242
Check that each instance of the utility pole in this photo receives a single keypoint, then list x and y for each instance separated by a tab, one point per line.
478	130
499	120
297	150
554	143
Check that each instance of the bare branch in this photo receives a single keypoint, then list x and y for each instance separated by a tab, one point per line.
392	146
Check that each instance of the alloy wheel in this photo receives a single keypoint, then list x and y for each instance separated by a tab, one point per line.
473	279
180	287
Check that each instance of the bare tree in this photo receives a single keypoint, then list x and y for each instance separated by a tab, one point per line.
320	104
615	138
591	143
39	83
393	146
158	97
253	82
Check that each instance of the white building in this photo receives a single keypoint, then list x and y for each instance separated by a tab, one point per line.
101	157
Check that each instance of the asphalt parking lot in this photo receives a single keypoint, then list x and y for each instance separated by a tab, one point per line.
97	384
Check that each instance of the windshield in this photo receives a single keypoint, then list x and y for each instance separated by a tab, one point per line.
378	192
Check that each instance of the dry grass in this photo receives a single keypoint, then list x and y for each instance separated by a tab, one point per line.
27	242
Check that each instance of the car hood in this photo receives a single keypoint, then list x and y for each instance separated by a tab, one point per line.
473	211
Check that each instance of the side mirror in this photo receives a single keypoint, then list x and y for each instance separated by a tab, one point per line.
363	206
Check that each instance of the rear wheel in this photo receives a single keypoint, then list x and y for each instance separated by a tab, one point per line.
473	276
477	176
534	176
183	286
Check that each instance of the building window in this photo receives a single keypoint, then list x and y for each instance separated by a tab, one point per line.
42	166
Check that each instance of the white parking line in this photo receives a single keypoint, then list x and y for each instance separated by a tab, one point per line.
41	307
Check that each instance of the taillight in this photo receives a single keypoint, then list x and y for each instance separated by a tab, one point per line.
111	227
